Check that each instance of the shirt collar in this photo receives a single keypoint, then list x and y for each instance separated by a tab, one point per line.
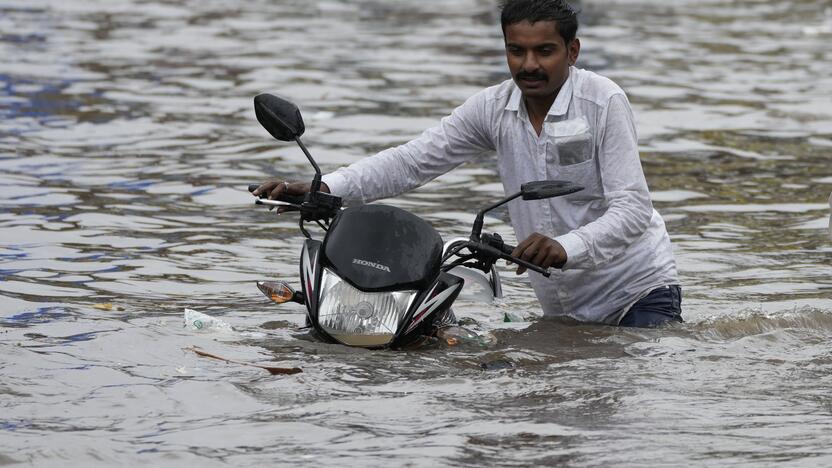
559	107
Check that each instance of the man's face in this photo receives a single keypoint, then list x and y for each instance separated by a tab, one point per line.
538	58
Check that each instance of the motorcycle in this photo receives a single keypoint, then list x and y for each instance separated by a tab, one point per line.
381	277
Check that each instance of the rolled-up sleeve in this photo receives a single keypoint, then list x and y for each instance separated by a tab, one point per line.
460	137
626	195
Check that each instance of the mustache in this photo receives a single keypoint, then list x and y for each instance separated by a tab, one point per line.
538	75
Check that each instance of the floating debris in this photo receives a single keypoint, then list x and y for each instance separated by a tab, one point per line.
271	369
204	322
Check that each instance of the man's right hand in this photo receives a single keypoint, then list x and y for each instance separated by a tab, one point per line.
541	251
272	189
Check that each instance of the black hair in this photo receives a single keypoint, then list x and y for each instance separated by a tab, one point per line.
564	16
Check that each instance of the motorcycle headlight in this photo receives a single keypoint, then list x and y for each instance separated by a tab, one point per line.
359	318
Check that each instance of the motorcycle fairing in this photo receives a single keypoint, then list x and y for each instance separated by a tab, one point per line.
439	297
382	248
364	232
310	275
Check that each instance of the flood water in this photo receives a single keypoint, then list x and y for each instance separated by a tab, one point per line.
127	138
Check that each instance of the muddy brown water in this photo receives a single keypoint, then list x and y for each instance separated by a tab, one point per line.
127	138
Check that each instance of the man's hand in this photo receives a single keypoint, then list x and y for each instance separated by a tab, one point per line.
273	189
541	251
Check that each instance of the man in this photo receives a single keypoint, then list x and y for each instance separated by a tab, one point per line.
552	121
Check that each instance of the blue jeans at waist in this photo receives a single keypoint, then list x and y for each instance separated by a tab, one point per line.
663	305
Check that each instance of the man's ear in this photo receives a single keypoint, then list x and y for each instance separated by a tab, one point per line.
574	49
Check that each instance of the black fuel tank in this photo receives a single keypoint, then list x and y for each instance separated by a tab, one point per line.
381	247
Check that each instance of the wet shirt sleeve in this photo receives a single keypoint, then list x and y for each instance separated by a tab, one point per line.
629	209
460	137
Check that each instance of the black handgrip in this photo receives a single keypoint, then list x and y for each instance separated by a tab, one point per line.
293	199
507	249
504	251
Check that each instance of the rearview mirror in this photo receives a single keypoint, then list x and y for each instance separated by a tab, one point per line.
279	117
540	189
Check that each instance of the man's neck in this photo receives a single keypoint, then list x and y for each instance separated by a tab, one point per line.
538	108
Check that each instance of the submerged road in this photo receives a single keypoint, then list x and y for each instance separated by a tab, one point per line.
127	140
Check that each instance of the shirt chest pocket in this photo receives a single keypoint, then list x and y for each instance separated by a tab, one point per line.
570	156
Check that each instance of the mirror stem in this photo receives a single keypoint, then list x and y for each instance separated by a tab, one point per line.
316	182
477	229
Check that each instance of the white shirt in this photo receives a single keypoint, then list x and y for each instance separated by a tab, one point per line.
617	246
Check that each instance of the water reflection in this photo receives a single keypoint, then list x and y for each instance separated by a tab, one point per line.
127	139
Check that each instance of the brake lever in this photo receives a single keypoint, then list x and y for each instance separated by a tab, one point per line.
529	266
286	205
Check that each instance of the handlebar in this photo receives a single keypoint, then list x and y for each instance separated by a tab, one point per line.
494	240
485	251
505	253
313	206
507	249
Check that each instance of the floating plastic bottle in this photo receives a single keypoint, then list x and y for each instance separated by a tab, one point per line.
456	335
512	317
203	322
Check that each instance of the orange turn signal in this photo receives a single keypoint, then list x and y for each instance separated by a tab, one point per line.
277	291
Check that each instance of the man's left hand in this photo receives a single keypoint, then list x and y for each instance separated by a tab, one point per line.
541	251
